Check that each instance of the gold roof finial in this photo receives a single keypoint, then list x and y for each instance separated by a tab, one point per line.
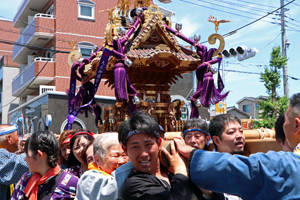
111	15
72	42
214	20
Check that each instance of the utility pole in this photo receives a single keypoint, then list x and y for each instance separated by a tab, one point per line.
283	46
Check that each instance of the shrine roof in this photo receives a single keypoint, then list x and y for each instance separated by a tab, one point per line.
149	53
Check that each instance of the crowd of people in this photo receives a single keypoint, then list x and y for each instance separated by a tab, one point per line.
79	164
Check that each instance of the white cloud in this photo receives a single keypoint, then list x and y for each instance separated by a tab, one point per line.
188	27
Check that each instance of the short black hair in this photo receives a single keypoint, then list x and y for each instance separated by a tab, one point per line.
279	132
45	142
72	160
141	121
295	104
195	123
217	124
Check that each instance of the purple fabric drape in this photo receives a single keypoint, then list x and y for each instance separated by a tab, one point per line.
84	100
124	91
206	92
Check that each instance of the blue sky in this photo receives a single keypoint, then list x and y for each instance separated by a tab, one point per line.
261	35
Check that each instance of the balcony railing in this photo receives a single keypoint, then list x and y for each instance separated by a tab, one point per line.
27	74
32	64
27	8
41	26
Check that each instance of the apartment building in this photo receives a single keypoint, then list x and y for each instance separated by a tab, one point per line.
8	68
48	29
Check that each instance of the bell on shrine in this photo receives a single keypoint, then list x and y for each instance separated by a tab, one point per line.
128	62
136	100
95	48
178	26
198	103
138	11
121	31
129	21
197	37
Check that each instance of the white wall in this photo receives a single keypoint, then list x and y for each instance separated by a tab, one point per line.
8	74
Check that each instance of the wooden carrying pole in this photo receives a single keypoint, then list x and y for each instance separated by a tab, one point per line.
257	140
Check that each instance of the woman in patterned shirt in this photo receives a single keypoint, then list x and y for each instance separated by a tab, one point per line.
45	179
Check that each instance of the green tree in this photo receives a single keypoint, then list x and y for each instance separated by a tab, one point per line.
274	105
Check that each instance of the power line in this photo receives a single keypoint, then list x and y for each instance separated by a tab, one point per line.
287	17
292	23
222	10
51	29
229	7
229	70
294	3
28	34
36	47
257	19
293	19
257	65
292	28
242	5
257	73
32	35
271	41
258	4
234	31
31	47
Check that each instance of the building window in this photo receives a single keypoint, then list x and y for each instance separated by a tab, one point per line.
85	52
86	9
85	48
50	10
49	53
257	106
246	108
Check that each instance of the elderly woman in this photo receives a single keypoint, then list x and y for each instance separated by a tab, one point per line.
97	183
45	179
79	142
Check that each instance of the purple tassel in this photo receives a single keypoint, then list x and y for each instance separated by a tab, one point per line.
206	92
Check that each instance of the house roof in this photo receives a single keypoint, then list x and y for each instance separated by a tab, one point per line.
260	97
232	108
